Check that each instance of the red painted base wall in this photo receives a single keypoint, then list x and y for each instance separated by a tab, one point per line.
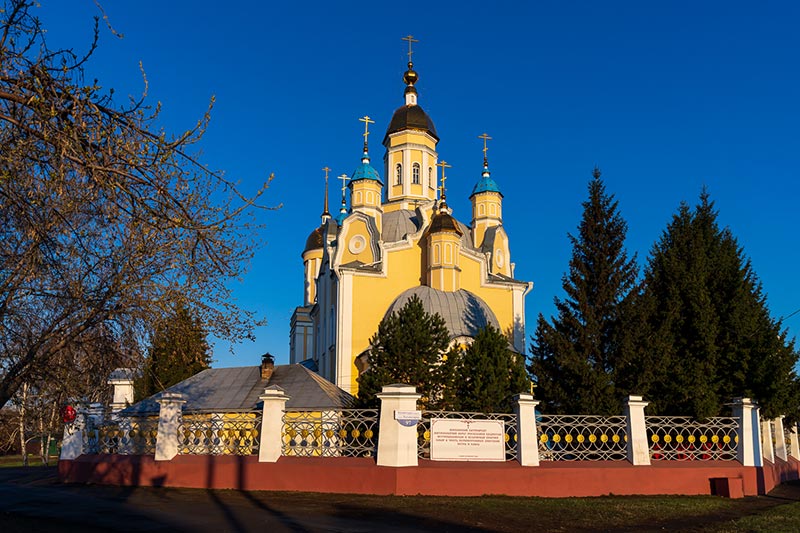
363	476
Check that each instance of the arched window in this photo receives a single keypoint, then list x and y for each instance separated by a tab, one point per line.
415	174
430	177
398	174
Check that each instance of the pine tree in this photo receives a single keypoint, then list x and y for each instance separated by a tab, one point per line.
491	374
705	332
407	349
178	350
574	358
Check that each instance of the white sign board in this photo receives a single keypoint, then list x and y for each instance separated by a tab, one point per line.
455	439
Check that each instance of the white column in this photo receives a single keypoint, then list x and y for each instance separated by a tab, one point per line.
766	440
169	418
397	444
72	441
271	445
794	442
636	427
780	439
527	438
748	452
122	381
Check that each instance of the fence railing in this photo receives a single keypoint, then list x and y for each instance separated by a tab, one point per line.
424	429
340	433
219	434
681	438
581	438
125	437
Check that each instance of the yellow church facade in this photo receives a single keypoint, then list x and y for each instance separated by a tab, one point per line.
399	239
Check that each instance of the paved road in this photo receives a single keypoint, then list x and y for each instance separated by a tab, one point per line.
31	500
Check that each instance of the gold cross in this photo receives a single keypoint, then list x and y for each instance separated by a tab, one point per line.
485	148
443	164
326	169
410	39
344	179
325	210
367	121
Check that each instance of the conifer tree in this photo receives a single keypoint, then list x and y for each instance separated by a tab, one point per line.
406	349
575	354
490	374
705	332
178	351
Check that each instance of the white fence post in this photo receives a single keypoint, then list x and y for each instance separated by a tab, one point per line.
780	439
767	445
794	442
748	452
635	425
72	442
271	444
527	438
169	418
397	443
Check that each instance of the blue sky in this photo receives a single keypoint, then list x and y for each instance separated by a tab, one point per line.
665	97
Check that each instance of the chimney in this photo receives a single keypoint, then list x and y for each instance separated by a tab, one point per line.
267	366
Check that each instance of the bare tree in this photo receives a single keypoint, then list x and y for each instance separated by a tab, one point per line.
105	221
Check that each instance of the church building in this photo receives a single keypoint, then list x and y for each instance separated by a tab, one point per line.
399	238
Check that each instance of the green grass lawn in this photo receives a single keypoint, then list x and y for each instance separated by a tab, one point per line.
16	460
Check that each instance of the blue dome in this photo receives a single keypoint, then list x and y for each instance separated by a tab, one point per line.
364	171
486	184
340	217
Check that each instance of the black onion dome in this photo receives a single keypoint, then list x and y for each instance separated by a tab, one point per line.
411	117
314	241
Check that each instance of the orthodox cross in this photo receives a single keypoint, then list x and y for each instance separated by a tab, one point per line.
443	164
485	148
410	39
325	210
344	179
367	121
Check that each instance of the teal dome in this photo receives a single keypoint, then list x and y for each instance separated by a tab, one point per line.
365	171
486	184
340	217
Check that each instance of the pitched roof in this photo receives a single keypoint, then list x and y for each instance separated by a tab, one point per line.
238	389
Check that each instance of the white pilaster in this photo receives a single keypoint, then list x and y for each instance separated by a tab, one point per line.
748	452
638	447
271	445
766	440
780	439
169	418
527	438
397	444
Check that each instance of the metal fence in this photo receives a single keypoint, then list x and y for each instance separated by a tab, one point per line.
340	433
125	437
424	429
219	434
582	437
681	438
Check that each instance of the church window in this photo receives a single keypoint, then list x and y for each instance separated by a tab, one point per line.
481	210
398	174
415	173
492	210
430	177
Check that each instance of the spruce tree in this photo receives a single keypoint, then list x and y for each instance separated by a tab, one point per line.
705	334
490	374
575	354
178	350
407	348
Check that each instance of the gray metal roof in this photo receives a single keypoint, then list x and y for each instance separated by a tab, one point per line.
463	312
238	389
398	224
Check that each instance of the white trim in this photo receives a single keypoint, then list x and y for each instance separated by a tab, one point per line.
344	344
